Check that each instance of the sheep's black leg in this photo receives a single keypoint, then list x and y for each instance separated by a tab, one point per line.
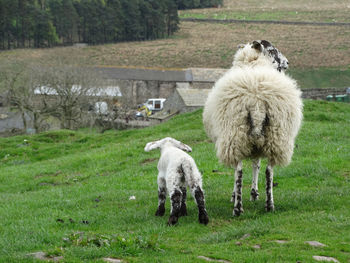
183	209
202	212
254	194
175	198
238	207
269	192
161	196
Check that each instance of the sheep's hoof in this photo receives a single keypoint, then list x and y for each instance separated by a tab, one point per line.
254	195
203	218
172	220
270	208
237	211
183	210
160	211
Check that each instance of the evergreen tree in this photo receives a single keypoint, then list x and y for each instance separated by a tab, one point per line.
42	23
171	17
65	19
44	32
132	20
114	20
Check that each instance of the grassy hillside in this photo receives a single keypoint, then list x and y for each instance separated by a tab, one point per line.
67	193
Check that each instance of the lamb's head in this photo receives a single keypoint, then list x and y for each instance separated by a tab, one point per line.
168	141
256	53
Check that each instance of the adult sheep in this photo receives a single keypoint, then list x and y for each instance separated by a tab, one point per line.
254	111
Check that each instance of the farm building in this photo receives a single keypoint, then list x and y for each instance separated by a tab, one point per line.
182	100
186	100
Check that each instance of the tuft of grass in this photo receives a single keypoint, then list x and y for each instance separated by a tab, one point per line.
67	193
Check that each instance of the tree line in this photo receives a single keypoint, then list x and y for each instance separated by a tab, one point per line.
47	23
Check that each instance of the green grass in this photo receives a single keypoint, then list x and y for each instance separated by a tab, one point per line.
275	15
321	77
85	180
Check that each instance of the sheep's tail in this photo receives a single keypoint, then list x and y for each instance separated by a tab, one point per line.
257	120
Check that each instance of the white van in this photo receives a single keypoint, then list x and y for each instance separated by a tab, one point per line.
155	104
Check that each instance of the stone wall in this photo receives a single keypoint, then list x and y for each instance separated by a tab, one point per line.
136	92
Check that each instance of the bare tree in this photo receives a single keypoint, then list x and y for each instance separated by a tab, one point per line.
74	90
117	110
23	84
13	79
71	94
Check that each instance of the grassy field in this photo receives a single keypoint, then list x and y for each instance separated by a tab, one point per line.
207	45
67	194
322	51
311	11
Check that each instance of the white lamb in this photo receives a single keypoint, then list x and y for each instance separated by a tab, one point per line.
254	111
176	170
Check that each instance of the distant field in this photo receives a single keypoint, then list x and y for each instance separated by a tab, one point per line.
309	48
315	5
321	78
298	16
211	46
315	11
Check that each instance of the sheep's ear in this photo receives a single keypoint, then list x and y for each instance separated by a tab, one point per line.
240	46
152	145
180	145
256	45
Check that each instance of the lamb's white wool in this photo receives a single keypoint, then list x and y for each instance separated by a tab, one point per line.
176	170
254	111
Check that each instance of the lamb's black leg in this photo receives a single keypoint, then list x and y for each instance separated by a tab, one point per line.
238	207
161	201
202	212
161	195
183	209
175	198
269	191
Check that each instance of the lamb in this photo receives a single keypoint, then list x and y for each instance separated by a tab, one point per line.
176	170
254	111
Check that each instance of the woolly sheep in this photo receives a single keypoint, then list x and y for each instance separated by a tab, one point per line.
176	170
254	111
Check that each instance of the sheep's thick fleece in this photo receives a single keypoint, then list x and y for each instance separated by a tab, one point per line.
253	111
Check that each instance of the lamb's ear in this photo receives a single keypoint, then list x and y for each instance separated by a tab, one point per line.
256	45
152	145
181	145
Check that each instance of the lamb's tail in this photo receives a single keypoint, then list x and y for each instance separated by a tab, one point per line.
190	172
257	120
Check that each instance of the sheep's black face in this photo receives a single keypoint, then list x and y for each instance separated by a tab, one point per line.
278	59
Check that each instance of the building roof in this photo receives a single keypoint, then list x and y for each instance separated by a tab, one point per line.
207	74
107	91
181	75
193	97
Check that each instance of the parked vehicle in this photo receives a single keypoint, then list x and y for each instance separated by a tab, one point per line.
149	107
155	104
